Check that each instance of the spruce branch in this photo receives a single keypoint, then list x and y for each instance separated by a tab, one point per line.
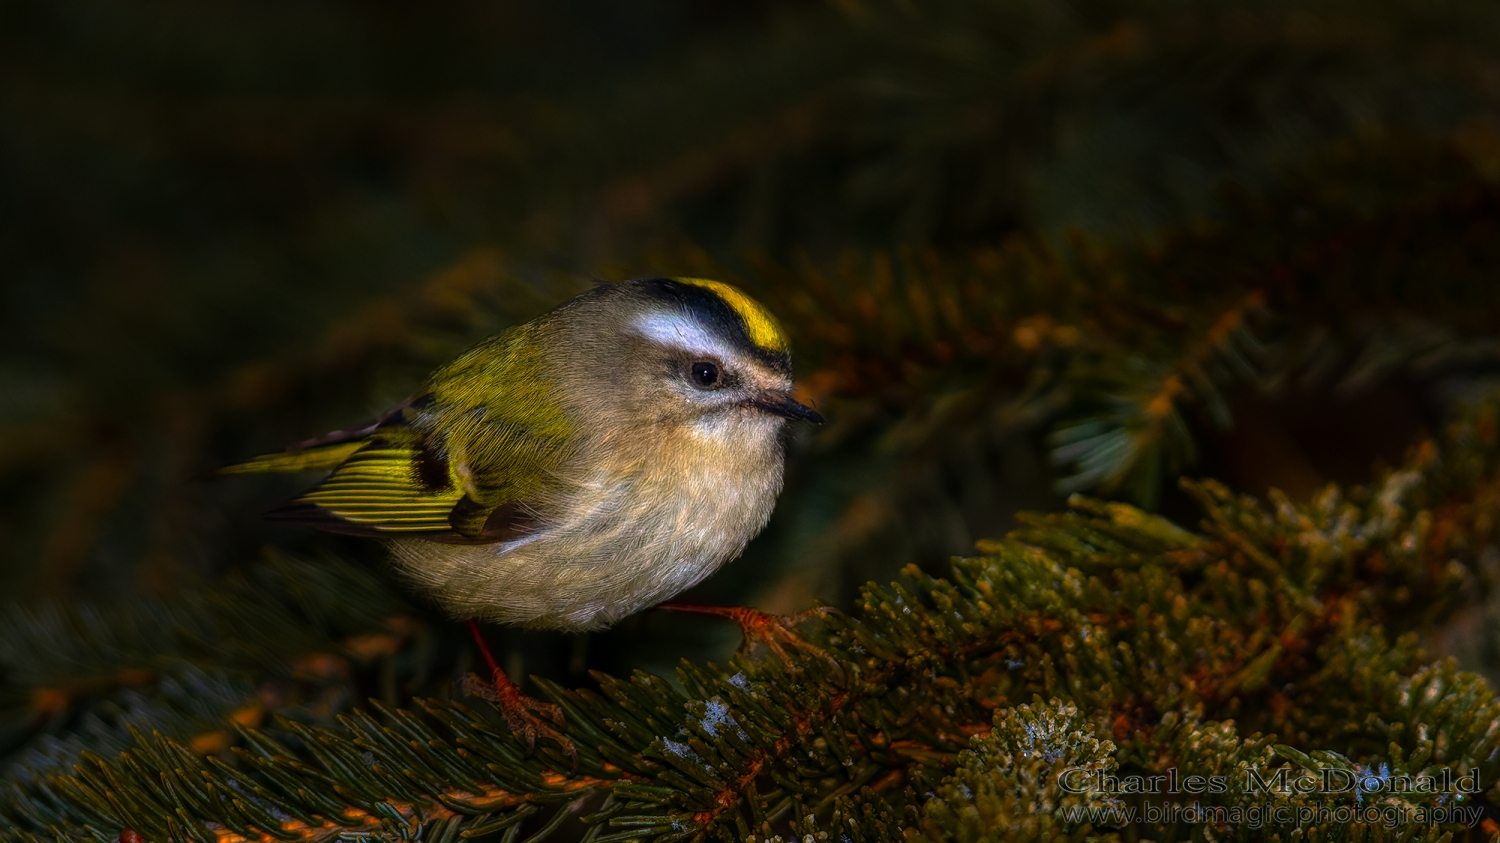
279	637
1186	650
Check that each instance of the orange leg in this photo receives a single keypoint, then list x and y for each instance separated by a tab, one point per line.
523	714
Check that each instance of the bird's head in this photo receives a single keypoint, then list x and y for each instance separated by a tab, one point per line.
681	352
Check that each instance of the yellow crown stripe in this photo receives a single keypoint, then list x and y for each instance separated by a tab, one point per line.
759	323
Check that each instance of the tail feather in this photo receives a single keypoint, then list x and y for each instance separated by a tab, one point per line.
329	451
323	458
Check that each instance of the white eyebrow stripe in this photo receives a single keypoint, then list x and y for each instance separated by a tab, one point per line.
680	332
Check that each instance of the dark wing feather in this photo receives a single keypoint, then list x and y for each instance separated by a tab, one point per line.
378	490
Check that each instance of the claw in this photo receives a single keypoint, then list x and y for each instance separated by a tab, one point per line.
522	714
776	632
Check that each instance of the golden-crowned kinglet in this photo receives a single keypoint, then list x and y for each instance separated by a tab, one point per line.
575	469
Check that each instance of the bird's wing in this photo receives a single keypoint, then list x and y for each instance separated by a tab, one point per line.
463	462
320	458
323	452
381	488
384	480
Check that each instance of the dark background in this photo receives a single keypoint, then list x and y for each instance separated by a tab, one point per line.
225	227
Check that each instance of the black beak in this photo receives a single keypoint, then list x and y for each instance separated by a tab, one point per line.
784	406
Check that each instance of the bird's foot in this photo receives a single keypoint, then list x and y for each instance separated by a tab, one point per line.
528	717
777	632
524	715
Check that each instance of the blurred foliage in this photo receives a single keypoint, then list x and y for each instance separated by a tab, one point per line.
1023	248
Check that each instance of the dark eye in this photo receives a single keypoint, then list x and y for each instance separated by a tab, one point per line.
704	374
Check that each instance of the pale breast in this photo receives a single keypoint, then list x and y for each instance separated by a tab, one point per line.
624	543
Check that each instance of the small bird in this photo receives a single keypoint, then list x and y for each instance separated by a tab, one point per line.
575	469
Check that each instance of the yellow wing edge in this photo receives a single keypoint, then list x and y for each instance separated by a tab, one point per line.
322	458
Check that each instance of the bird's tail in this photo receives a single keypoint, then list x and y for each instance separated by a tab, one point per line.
320	458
